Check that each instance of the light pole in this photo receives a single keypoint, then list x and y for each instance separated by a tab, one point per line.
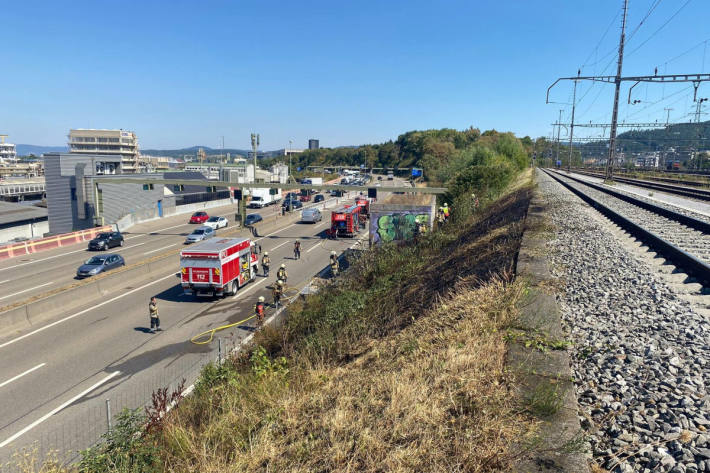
290	168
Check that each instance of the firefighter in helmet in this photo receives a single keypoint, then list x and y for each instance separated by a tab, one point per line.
277	292
281	274
446	212
334	263
259	311
265	262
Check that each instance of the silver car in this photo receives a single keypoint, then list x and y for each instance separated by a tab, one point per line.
311	216
199	234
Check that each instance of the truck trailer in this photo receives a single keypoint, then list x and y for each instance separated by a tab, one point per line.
218	266
261	198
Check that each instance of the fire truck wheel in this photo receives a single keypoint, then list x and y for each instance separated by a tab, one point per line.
232	288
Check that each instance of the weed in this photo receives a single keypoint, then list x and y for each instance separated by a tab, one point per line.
546	399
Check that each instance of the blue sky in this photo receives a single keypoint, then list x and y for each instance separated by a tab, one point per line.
183	73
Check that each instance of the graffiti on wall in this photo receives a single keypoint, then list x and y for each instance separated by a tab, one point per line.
396	226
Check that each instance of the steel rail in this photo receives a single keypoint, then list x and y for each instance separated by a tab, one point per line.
681	258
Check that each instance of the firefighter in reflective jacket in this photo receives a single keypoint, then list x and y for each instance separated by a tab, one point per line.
277	292
334	263
282	274
259	311
265	262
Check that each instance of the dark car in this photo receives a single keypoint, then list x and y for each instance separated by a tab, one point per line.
99	264
294	204
252	219
106	240
319	198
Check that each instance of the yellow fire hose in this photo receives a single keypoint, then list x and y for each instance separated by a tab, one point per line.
196	339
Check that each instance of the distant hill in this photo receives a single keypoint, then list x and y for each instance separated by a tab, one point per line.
26	150
192	151
680	136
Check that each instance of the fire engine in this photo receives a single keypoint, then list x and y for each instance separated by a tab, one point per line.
364	204
345	220
218	266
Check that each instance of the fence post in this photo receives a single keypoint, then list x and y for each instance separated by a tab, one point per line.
219	350
108	415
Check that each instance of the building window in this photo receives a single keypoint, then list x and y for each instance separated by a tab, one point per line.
73	193
113	140
147	187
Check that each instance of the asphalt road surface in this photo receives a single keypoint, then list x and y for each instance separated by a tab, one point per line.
55	379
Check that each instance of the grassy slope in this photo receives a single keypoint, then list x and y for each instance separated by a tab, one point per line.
397	367
422	390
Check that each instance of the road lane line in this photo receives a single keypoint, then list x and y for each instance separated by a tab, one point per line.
43	259
239	293
3	282
10	342
132	246
22	374
313	248
57	409
159	249
26	290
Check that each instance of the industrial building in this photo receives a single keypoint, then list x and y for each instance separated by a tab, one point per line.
80	193
21	222
107	142
313	144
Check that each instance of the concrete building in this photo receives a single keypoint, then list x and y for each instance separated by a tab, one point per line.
148	163
8	153
21	222
107	142
279	173
76	202
313	144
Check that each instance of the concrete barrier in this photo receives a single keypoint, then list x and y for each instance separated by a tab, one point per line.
33	246
14	319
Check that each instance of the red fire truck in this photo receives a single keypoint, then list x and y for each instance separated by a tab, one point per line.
364	204
345	221
218	266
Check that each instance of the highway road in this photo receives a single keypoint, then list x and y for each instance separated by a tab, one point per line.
55	379
22	277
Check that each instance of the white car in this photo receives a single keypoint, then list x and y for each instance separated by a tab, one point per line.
216	222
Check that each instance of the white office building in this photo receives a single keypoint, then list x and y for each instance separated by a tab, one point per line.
8	154
107	142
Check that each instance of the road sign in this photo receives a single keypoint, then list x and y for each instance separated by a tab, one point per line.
416	172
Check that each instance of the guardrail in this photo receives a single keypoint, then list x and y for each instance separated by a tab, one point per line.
33	246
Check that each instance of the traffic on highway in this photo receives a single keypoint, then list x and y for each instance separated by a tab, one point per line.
62	370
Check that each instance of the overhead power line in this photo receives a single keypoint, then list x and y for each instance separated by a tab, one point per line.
661	27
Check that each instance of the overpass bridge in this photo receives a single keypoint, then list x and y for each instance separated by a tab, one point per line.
18	189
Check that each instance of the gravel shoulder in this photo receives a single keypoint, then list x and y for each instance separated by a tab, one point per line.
640	352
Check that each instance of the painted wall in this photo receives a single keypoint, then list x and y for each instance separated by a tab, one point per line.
397	225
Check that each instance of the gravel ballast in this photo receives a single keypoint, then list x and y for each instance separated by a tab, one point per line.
639	352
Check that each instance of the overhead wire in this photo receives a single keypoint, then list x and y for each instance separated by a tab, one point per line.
660	28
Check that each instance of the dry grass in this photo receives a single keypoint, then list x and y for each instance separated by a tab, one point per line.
433	397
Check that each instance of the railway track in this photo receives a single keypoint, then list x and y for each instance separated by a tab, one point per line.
683	240
693	193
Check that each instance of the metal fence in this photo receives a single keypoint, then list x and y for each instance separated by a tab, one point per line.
183	199
77	431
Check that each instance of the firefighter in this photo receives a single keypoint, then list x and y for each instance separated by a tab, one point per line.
281	274
440	216
277	292
154	318
334	263
446	212
265	262
259	311
296	249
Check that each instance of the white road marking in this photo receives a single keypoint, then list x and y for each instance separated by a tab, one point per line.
132	246
10	342
239	293
153	251
57	409
21	375
43	259
3	282
26	290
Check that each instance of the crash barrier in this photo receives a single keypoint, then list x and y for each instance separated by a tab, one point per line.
44	307
33	246
99	288
147	215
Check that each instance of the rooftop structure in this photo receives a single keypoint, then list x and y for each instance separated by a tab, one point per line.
107	142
